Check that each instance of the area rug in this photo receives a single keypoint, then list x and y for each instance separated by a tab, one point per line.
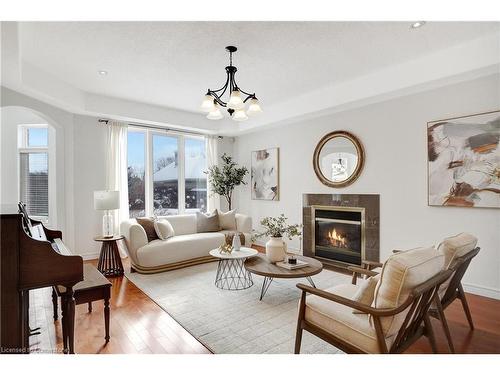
235	321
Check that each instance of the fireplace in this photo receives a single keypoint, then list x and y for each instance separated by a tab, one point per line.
339	234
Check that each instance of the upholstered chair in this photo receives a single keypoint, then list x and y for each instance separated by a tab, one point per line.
384	314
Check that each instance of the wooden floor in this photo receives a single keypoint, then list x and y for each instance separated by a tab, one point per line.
139	325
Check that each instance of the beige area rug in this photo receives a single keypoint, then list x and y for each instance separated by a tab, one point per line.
235	321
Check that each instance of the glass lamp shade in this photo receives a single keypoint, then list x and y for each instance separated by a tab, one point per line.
240	115
235	101
106	200
215	114
207	105
254	108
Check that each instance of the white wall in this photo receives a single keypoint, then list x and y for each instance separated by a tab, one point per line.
394	136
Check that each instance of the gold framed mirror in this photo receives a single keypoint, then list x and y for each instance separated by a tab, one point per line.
338	159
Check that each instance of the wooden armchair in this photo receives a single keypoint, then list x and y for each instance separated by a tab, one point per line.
397	317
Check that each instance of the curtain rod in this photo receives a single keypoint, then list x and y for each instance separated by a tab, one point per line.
146	126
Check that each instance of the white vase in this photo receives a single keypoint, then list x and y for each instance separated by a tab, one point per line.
275	249
236	242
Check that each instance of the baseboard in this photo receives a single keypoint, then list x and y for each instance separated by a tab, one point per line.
89	256
481	290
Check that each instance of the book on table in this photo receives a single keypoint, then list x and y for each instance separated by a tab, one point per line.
288	266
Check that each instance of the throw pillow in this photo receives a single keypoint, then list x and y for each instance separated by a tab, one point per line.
148	224
227	220
207	223
366	292
163	229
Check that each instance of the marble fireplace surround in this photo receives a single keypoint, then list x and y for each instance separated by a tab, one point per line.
371	204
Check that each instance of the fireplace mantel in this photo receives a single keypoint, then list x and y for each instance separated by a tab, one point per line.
371	205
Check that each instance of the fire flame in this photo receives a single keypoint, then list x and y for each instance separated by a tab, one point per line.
336	239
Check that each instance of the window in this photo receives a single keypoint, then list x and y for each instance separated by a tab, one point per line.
166	173
34	169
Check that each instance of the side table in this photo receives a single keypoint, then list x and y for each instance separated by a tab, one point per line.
110	263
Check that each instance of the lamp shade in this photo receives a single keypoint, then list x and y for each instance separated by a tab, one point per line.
106	200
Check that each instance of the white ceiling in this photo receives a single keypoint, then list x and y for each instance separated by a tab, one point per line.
172	64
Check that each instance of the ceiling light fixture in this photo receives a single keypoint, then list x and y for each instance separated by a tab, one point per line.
417	24
102	73
236	103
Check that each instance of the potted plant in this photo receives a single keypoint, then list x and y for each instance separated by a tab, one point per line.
223	180
276	228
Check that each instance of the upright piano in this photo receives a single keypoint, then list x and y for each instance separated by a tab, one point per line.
28	263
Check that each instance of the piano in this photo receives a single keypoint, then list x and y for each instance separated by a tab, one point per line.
28	263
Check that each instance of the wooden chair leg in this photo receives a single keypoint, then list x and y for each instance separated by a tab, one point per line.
354	278
54	303
465	305
106	319
298	333
444	323
430	333
90	307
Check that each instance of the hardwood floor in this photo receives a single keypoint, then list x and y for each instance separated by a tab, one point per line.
139	325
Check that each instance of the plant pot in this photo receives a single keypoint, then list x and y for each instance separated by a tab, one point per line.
275	249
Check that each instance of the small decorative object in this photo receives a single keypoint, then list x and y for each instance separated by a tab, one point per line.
225	249
464	161
265	174
235	104
292	260
107	200
276	228
223	180
338	159
236	242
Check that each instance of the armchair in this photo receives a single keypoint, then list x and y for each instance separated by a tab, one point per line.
398	316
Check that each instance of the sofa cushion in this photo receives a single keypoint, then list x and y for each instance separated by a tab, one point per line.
182	224
148	224
455	247
178	248
227	220
401	273
339	320
164	229
207	223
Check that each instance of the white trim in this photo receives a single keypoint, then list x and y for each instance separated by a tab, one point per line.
484	291
90	256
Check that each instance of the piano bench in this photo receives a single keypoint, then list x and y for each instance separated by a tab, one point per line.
94	287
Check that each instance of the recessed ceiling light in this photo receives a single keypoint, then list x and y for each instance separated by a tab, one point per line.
417	24
102	73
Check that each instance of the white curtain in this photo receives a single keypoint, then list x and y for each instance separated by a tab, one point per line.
116	171
212	159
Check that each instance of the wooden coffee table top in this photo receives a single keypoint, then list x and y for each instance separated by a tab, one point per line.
260	266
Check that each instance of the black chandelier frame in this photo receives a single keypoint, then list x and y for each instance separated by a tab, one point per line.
230	84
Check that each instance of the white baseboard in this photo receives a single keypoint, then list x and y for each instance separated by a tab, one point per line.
89	256
484	291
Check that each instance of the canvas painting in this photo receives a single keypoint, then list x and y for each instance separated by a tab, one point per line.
464	161
265	174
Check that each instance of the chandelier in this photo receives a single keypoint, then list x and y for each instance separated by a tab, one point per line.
212	102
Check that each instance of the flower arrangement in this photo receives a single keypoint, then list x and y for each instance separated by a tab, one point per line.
278	227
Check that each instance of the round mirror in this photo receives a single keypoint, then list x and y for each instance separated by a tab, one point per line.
338	159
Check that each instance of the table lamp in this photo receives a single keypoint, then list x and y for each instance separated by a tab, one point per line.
107	200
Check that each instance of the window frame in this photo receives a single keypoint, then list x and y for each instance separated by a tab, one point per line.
23	147
149	167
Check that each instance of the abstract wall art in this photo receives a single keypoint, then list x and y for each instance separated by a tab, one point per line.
265	174
464	161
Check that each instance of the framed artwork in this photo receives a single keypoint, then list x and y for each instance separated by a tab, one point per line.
265	174
464	161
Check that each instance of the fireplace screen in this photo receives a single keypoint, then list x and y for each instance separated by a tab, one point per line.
338	235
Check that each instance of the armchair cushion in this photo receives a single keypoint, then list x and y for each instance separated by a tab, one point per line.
365	292
339	320
400	274
456	246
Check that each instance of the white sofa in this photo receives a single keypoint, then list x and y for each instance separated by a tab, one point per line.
185	248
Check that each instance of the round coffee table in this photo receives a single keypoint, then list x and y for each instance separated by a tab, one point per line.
259	265
231	274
